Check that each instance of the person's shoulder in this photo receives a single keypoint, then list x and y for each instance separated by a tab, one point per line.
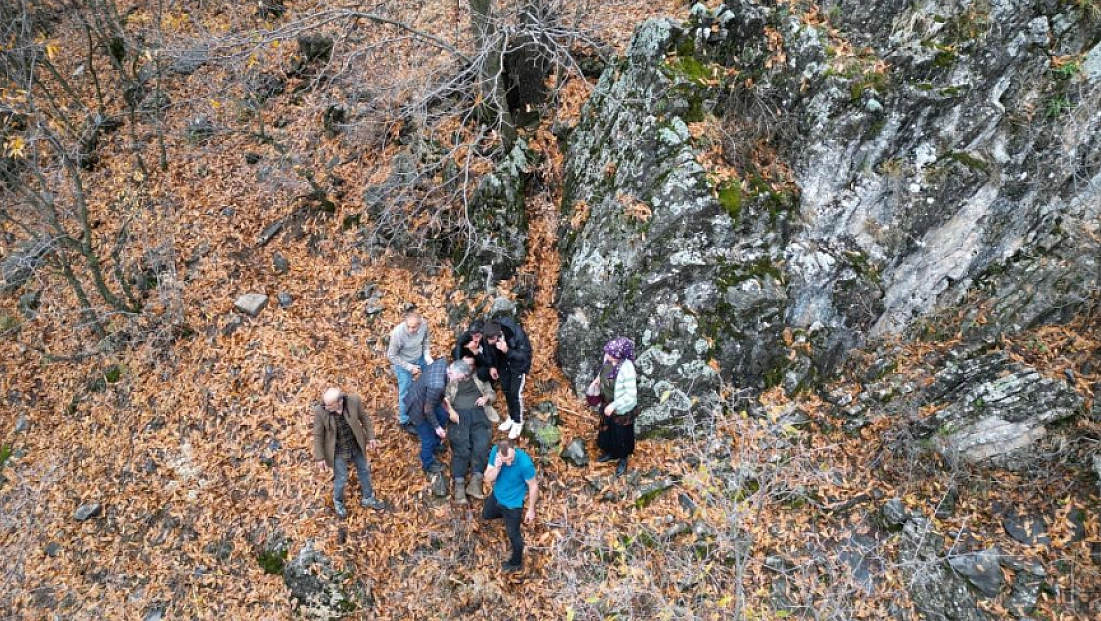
396	330
354	400
627	365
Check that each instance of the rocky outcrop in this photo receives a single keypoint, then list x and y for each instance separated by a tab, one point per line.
935	154
498	246
995	408
937	591
317	586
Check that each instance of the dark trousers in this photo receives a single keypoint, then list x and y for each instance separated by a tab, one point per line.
340	475
426	430
469	442
491	511
513	386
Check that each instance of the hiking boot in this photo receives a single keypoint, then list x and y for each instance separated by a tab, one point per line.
621	467
341	510
409	429
511	568
458	493
372	503
434	468
515	431
439	486
505	426
474	488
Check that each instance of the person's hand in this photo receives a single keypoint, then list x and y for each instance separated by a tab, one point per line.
441	432
427	358
321	466
453	416
530	516
493	373
497	461
416	370
502	345
480	402
608	411
472	346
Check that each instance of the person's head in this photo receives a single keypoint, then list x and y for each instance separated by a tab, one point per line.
619	349
506	451
477	327
412	319
333	399
458	371
492	332
469	360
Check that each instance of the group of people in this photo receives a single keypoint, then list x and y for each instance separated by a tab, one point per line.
453	401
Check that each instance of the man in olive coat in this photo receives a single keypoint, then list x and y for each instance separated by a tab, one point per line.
343	431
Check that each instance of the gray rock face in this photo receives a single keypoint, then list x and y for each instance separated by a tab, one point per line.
498	215
87	511
1097	469
996	408
982	570
916	191
1028	529
317	585
650	253
894	514
251	303
936	590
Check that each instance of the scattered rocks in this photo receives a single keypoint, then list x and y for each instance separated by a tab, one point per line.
285	299
251	303
650	492
22	424
87	511
1026	593
53	549
502	307
544	435
155	614
936	590
982	570
575	453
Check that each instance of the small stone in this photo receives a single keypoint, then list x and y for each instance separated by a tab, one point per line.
53	549
269	233
252	158
1070	375
575	453
374	308
22	424
251	303
894	514
87	511
687	503
285	299
229	212
155	614
280	264
649	493
873	106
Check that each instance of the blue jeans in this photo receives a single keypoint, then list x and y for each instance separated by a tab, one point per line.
340	475
405	380
429	440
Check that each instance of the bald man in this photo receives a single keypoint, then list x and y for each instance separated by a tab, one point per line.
343	431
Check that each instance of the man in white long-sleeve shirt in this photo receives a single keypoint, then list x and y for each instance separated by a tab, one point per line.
409	353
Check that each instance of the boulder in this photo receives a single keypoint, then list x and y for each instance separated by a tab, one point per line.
991	413
576	454
1030	530
982	569
317	586
498	244
251	303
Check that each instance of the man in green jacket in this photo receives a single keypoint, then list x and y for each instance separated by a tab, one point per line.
343	431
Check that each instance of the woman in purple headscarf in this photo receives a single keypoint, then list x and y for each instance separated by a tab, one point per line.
618	390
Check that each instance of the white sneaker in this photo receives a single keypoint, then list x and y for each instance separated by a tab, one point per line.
514	433
505	426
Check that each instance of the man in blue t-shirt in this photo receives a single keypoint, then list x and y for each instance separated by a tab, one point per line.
513	473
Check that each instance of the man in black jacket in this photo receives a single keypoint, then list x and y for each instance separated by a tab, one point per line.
513	362
471	347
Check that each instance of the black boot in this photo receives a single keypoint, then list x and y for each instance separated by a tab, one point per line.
604	458
621	467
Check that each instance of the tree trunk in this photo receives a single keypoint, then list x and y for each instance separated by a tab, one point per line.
490	56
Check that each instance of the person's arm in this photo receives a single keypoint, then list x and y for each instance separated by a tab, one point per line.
533	495
426	346
488	394
318	439
626	388
364	419
493	467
